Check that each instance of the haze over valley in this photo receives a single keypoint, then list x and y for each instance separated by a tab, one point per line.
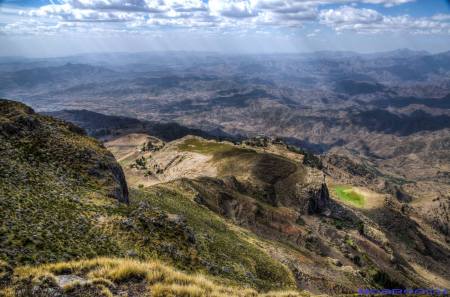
382	108
235	148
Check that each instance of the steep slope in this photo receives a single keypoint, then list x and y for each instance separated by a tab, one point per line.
48	171
59	194
330	243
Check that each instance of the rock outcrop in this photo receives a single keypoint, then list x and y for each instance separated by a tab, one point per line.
31	139
319	201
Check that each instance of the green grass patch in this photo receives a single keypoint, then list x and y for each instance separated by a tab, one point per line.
347	194
204	147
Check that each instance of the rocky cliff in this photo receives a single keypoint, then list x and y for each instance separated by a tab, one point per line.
31	139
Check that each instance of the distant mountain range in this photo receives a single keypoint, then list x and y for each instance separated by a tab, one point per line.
351	103
105	127
378	123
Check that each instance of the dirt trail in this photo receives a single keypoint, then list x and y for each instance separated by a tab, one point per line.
125	156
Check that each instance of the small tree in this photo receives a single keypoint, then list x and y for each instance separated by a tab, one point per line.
141	163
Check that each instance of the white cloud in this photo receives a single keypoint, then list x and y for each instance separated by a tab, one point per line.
231	8
370	21
292	5
388	3
285	6
138	5
441	17
123	5
257	15
349	15
68	13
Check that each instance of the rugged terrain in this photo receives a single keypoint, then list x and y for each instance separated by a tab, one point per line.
64	197
218	154
333	235
390	109
258	213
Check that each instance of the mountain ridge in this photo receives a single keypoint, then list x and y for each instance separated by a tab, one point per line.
162	174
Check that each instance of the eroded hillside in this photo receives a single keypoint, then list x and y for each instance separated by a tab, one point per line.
60	194
335	228
251	217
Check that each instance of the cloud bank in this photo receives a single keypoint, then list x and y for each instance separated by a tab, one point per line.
141	16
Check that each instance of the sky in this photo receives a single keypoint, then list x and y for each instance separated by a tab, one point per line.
46	28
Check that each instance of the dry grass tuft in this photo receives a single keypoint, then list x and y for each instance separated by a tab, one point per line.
105	274
162	290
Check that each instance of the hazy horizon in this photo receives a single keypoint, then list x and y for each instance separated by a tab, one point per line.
227	148
199	52
70	27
